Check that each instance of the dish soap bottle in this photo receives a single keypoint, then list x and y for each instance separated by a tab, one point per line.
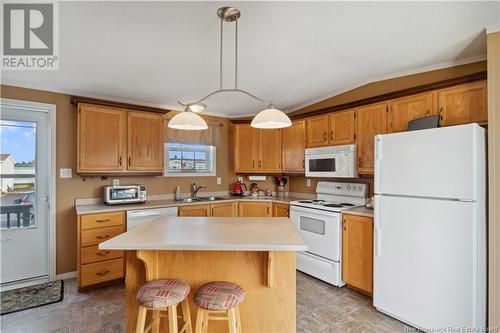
178	193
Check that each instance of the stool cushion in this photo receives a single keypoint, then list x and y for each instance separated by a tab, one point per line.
162	293
219	295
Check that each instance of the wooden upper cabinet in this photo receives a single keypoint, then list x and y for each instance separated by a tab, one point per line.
402	110
145	141
463	104
357	252
101	138
269	150
318	128
294	143
343	127
246	142
371	120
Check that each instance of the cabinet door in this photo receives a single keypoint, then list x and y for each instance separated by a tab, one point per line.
371	120
357	252
280	210
145	141
101	135
195	210
463	104
224	209
343	127
255	209
270	150
403	110
317	129
246	146
294	143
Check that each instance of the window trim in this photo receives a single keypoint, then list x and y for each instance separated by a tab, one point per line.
189	174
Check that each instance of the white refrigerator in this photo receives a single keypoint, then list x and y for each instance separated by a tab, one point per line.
430	227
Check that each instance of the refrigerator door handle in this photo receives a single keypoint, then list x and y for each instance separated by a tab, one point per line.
377	243
378	157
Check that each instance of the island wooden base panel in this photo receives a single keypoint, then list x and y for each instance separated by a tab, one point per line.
265	309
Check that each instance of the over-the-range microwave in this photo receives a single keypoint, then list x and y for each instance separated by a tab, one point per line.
332	161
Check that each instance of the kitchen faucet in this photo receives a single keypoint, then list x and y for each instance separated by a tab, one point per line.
195	188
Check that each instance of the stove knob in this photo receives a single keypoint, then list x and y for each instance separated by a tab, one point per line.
348	187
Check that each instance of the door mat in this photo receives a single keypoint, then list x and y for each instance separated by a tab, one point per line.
31	297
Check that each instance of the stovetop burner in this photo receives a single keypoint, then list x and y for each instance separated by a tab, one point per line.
305	201
345	204
332	205
318	200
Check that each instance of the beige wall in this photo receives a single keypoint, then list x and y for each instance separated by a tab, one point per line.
70	189
494	177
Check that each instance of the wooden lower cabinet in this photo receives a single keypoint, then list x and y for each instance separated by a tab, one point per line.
280	210
96	266
255	209
357	252
225	209
194	210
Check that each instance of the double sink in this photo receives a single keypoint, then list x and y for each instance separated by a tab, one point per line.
203	199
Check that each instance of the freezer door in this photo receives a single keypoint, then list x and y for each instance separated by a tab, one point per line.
429	262
447	162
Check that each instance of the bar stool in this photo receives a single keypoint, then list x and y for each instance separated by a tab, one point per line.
164	295
219	297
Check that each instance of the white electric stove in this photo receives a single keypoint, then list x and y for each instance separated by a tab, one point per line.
319	222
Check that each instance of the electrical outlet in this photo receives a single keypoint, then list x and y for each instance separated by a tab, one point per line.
116	182
219	180
65	173
308	182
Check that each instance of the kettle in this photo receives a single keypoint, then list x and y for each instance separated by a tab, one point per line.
238	188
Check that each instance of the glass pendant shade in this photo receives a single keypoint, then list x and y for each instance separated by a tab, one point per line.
271	118
187	121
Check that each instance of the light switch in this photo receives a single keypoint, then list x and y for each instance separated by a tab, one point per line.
308	183
219	180
65	173
116	182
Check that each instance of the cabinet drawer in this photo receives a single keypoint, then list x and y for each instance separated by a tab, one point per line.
96	236
101	272
92	254
103	220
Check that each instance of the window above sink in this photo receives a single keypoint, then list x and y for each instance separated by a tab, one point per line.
183	160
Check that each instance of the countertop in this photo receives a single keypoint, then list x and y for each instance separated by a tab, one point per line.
82	209
211	234
362	211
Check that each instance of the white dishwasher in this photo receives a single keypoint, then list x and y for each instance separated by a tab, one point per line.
137	218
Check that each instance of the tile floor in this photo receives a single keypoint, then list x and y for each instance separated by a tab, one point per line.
321	308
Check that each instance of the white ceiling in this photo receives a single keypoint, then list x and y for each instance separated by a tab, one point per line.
157	53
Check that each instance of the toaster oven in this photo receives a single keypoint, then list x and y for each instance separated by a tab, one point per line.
114	195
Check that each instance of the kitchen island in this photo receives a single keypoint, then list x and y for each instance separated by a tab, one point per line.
256	253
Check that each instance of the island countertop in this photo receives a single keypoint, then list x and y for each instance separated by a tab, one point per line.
211	234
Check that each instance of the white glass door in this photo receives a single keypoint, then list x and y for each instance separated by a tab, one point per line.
24	175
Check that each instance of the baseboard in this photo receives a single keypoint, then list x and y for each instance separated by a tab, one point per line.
67	275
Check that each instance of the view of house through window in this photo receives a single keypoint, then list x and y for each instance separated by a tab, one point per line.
186	159
17	174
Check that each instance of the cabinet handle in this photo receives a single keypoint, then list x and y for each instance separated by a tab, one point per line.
260	164
120	161
102	237
101	221
253	164
102	273
267	210
344	225
303	163
102	253
324	136
129	161
360	162
331	136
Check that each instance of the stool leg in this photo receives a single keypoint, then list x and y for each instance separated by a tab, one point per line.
231	313
199	321
205	320
141	319
238	318
172	319
156	322
186	315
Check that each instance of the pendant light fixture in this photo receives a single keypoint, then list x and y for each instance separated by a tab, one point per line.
267	118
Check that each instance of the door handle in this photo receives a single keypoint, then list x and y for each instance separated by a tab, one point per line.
102	273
